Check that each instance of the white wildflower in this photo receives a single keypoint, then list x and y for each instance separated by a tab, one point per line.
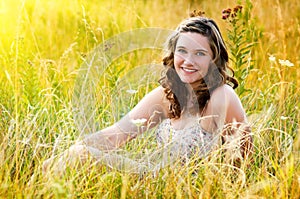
284	117
288	63
131	91
282	62
285	63
139	121
272	58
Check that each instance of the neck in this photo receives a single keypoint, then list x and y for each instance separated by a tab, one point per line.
191	108
195	85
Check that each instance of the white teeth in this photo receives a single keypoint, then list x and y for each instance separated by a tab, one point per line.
189	70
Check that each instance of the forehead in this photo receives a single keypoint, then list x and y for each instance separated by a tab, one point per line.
193	40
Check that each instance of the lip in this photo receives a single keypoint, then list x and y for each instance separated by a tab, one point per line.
189	70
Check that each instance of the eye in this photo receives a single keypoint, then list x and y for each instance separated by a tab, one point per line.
181	50
200	53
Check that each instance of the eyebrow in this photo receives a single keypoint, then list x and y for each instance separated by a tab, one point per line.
198	49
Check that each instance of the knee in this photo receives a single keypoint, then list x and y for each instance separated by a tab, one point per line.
46	164
78	151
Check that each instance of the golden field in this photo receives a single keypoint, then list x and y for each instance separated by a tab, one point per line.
44	45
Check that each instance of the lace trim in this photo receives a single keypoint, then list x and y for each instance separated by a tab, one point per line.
185	142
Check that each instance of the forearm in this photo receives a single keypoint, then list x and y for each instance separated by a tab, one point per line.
107	139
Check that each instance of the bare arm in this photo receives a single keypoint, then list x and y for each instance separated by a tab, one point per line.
232	121
236	125
146	114
149	111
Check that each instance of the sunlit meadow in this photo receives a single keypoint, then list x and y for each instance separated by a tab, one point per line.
43	45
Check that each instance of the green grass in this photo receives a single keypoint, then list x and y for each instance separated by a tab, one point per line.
43	44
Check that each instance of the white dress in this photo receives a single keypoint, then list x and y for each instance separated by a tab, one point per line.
187	142
173	145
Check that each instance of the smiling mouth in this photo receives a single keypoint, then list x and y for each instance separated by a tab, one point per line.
189	70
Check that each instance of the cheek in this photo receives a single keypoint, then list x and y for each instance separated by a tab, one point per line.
178	60
204	62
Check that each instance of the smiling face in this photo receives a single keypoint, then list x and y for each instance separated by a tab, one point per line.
192	57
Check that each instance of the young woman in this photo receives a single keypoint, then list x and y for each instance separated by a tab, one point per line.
194	109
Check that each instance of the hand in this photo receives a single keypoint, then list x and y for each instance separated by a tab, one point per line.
77	155
238	143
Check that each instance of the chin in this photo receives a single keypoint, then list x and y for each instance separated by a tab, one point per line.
187	82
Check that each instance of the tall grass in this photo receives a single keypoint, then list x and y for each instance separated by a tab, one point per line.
44	43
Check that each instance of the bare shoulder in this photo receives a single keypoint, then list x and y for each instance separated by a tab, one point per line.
159	99
158	92
225	98
224	95
156	96
224	90
154	101
219	97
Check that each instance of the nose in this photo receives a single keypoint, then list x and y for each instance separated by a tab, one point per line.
188	60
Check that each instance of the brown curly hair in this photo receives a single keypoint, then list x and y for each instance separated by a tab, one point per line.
176	91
